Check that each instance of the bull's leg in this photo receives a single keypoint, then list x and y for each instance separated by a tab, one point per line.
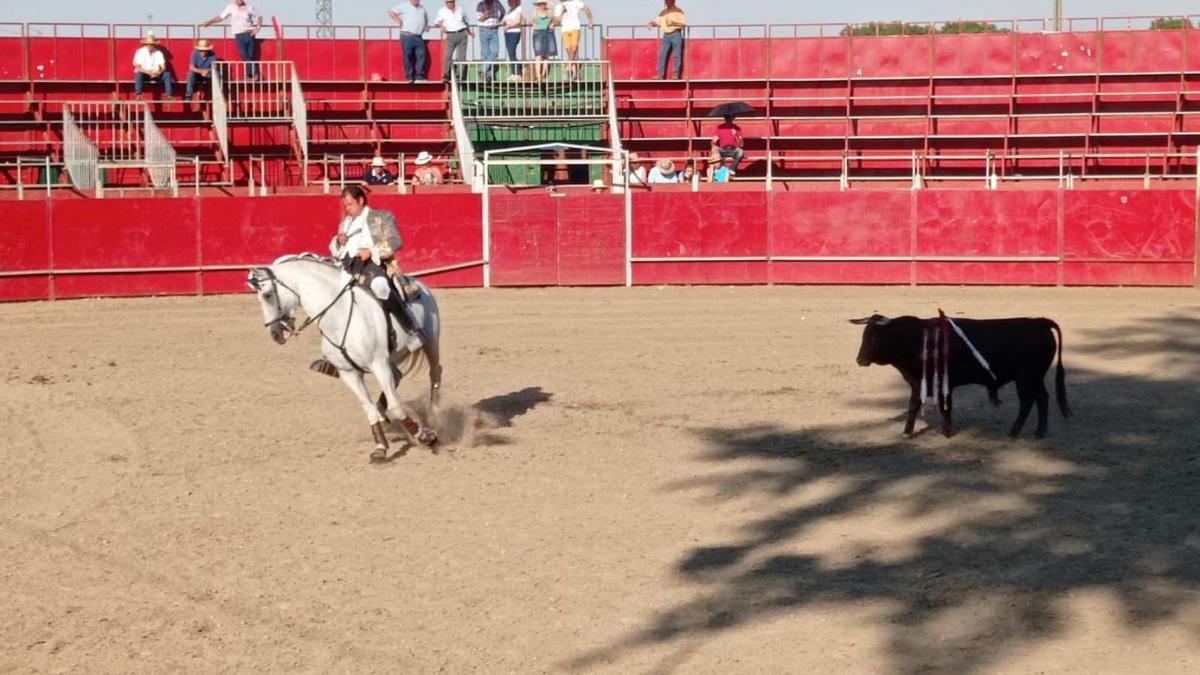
354	382
1025	394
947	416
914	407
1043	406
994	396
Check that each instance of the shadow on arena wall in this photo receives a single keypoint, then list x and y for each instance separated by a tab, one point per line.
1106	503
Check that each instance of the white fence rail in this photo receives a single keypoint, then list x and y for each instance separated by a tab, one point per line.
265	92
102	135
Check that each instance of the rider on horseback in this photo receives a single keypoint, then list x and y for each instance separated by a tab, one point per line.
366	245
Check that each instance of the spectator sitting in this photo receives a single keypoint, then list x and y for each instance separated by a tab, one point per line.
378	174
200	68
689	172
728	141
663	172
426	173
724	172
150	65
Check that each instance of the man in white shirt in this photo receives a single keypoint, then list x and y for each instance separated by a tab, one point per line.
244	21
150	65
455	31
566	13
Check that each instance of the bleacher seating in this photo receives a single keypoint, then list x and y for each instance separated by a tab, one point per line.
1102	98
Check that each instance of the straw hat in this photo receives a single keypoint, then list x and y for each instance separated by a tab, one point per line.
149	39
423	158
378	161
666	167
598	184
203	45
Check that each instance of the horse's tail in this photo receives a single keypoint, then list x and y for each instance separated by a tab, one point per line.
411	363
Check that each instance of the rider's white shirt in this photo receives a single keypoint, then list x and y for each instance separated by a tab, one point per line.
358	235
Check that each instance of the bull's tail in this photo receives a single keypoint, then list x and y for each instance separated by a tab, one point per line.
1060	377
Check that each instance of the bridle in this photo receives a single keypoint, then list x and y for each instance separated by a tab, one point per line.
289	322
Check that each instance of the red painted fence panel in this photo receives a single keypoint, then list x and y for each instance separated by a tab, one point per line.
125	233
25	245
841	224
591	240
1129	237
524	239
700	224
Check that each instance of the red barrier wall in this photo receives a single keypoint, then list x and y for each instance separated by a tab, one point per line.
1026	237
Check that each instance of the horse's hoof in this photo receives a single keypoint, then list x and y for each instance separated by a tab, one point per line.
379	454
427	437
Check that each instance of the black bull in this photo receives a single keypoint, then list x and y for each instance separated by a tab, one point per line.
1018	350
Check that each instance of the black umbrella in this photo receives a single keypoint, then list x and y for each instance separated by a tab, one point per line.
732	109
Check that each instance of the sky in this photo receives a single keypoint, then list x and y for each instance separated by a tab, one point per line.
374	12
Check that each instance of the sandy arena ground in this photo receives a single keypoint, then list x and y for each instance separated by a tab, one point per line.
633	480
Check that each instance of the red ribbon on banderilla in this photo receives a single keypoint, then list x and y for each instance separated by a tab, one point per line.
935	359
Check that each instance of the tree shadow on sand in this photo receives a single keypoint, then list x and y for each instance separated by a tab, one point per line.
1002	531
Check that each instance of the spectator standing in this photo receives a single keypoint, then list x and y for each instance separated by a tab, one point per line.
513	23
455	31
545	47
244	21
426	173
566	14
378	174
728	142
150	65
490	14
413	20
671	20
663	172
200	67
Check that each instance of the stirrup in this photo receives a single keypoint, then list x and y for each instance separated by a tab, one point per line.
324	367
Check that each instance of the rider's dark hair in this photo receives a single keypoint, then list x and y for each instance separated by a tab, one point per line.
359	194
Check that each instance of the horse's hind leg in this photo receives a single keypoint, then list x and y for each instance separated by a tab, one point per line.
419	433
435	384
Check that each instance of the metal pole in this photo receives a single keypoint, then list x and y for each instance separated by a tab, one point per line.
486	233
196	174
628	219
47	174
1058	15
21	180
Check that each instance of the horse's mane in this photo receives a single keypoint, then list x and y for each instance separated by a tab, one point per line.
325	262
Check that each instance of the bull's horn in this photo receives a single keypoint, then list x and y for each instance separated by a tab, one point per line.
861	322
873	320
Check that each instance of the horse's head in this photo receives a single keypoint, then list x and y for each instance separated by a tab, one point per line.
278	302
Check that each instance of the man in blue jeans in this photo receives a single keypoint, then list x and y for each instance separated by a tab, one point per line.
413	20
671	21
491	13
244	22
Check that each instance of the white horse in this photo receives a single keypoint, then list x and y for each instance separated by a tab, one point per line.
354	330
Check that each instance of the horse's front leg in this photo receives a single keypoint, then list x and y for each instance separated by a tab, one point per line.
387	382
354	382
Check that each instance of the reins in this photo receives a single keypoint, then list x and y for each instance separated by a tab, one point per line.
316	318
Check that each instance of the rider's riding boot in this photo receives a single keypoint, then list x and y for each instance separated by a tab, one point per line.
324	367
399	310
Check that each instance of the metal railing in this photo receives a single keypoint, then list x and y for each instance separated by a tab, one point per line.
259	92
159	155
220	112
339	170
80	154
300	121
103	135
19	165
462	139
560	90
